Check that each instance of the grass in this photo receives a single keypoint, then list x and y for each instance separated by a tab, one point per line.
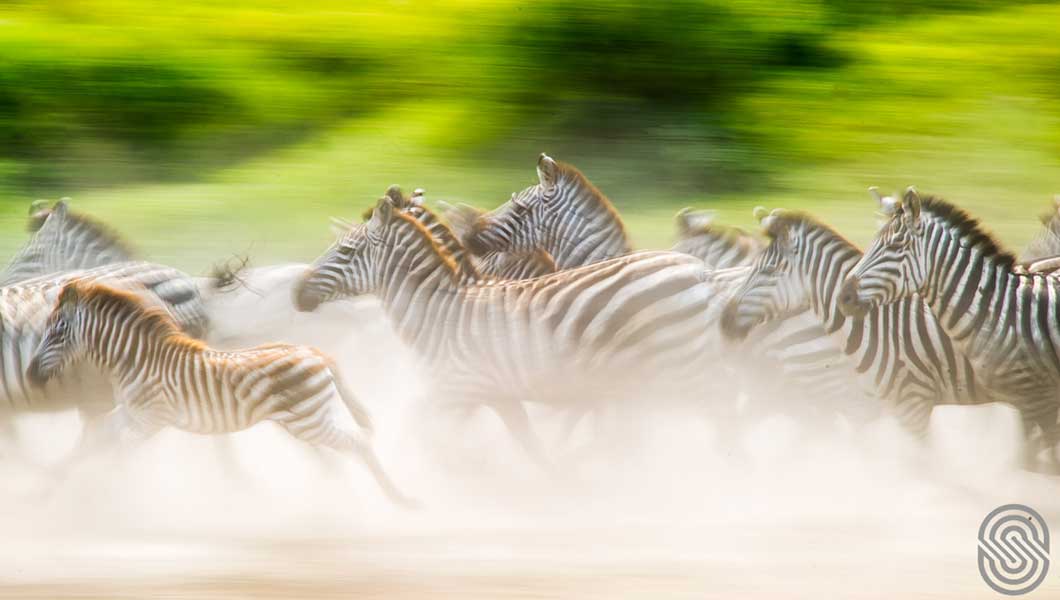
962	106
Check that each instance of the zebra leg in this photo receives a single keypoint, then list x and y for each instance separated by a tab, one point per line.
1047	422
513	414
331	436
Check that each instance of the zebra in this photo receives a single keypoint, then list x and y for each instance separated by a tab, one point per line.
564	215
1002	317
716	245
63	240
902	352
637	322
164	378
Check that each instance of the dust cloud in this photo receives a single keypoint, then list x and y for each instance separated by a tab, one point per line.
669	508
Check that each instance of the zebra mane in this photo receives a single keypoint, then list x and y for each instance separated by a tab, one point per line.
572	173
40	219
155	319
967	227
783	220
436	245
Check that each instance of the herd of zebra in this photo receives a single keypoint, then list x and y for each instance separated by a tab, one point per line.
543	300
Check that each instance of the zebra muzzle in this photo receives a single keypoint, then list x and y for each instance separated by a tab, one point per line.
850	303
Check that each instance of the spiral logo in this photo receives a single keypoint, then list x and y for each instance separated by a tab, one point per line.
1013	549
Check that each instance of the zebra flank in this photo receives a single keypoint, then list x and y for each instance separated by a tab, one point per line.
1005	319
165	378
564	215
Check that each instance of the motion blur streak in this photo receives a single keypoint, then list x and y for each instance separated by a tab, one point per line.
207	131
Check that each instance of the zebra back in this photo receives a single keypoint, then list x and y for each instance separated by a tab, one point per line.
718	246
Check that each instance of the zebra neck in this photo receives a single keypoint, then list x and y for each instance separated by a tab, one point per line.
409	296
965	288
585	231
583	242
827	267
126	347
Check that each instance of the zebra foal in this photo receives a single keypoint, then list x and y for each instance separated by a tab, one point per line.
164	378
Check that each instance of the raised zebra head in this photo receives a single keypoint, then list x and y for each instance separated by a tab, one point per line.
341	271
61	343
521	223
775	288
893	266
564	215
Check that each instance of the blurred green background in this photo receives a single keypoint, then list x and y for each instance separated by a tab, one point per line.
203	129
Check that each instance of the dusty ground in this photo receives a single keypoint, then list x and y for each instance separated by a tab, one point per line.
791	512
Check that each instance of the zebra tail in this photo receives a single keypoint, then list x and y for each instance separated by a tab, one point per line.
359	413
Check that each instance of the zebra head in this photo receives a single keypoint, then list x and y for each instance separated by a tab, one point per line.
520	224
61	343
892	268
775	287
352	265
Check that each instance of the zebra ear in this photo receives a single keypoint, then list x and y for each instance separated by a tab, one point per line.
547	171
691	221
396	197
911	203
69	294
416	199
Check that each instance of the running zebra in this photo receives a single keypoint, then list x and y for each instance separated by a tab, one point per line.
63	240
1003	318
718	246
590	334
902	352
165	378
564	215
